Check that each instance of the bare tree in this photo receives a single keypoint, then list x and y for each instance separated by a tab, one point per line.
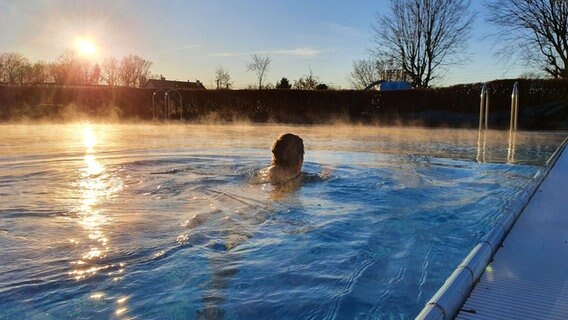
364	73
134	71
260	66
95	74
37	73
367	71
13	67
110	71
62	70
127	72
223	78
34	73
84	69
424	36
535	31
69	69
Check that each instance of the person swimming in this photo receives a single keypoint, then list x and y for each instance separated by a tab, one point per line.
287	159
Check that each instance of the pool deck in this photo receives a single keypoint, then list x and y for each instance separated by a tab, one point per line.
522	265
528	277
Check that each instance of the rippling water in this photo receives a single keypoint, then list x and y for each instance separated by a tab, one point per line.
167	221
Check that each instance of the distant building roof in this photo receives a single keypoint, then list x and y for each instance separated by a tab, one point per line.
170	84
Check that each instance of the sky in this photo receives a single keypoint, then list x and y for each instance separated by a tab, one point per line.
189	40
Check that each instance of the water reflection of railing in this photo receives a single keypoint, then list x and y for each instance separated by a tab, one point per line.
513	122
483	124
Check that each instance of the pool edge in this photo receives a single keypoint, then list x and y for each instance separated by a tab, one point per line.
445	303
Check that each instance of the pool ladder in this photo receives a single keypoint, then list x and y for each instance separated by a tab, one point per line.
167	103
484	123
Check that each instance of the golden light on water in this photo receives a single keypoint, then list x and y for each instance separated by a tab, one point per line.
120	311
97	296
81	274
121	307
94	185
93	166
93	253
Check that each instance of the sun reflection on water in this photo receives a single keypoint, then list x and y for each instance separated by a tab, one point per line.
94	185
93	167
97	296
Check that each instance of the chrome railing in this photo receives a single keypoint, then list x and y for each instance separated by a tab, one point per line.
484	123
484	107
154	101
167	104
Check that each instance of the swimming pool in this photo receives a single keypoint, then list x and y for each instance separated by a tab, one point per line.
168	221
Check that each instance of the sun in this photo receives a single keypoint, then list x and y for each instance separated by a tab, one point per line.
85	47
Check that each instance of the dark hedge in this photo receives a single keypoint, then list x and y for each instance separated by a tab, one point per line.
542	104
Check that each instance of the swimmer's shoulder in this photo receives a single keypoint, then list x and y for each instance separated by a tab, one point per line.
272	174
325	175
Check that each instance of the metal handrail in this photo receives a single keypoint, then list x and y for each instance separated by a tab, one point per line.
514	107
484	107
167	103
154	103
180	103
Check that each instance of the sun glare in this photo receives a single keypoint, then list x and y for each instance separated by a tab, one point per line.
86	47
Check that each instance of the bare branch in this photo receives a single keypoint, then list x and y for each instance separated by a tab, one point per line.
223	78
424	36
260	66
535	31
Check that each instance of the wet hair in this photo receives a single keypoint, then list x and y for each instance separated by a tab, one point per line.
287	149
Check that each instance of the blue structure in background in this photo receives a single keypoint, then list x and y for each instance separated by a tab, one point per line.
395	85
390	85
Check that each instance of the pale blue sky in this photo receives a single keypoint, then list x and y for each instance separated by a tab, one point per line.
188	40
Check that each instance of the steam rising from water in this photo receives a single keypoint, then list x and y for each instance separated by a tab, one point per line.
457	143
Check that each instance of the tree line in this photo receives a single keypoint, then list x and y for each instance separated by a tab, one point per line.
414	40
422	38
71	69
260	65
418	40
130	71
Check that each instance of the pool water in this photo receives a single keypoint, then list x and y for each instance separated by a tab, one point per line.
155	221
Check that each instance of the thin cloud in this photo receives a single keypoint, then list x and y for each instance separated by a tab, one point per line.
303	52
193	46
339	28
228	54
298	52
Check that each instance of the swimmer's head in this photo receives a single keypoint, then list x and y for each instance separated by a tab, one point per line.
288	151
